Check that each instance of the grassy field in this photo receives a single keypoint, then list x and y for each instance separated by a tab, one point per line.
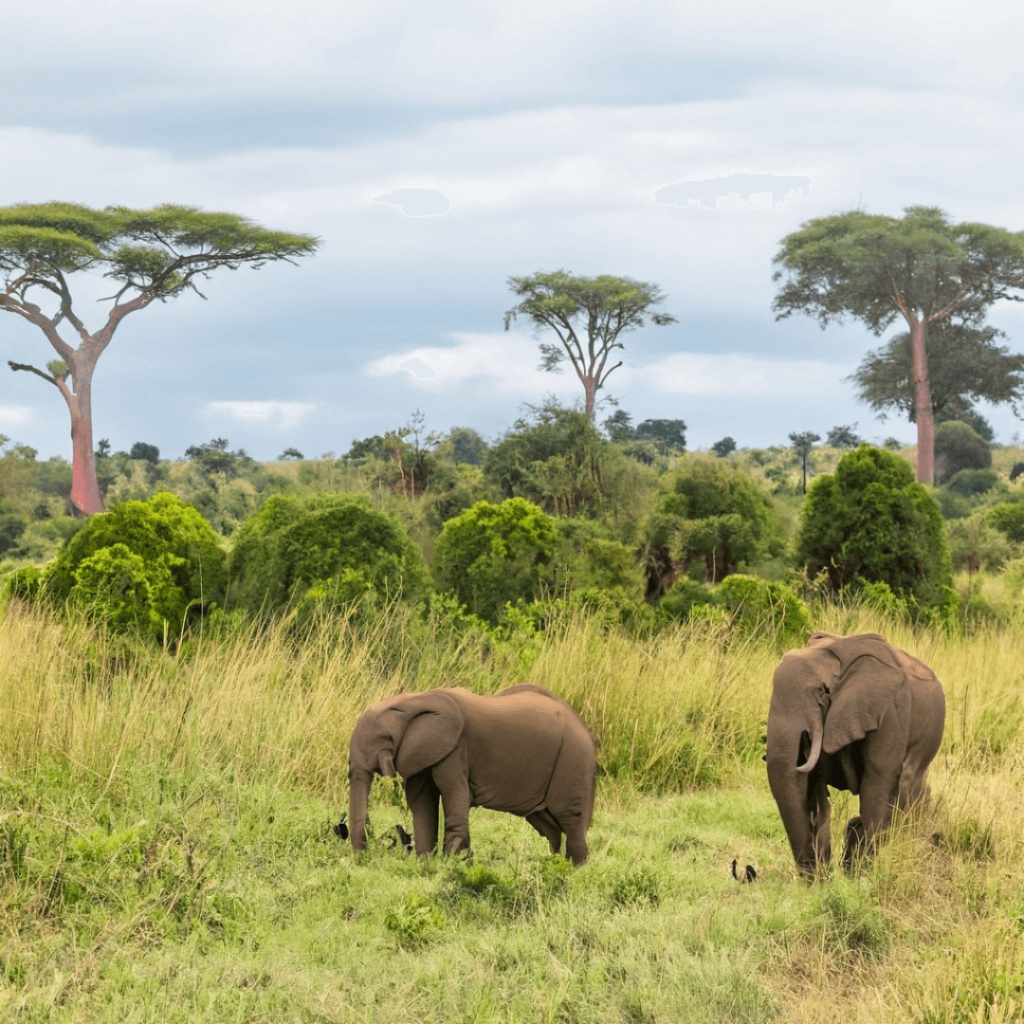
167	854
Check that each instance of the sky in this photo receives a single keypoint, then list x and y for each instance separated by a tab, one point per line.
438	149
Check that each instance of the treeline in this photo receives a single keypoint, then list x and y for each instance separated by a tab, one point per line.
554	514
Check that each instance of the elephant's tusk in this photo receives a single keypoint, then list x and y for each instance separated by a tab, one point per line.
812	758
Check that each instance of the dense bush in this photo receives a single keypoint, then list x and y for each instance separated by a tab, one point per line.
1008	518
710	517
765	608
871	520
493	554
142	563
337	543
971	482
959	446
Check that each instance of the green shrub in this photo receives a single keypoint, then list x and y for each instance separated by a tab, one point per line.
491	555
1008	518
161	562
871	520
970	482
335	545
959	446
765	608
683	596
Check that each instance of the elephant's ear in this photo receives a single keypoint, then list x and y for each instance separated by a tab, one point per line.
426	732
870	682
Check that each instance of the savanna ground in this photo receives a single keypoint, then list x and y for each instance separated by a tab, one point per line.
167	853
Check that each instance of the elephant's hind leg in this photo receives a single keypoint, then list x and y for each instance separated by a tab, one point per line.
423	798
545	824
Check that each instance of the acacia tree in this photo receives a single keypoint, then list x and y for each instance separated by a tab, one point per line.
151	254
587	314
876	269
964	364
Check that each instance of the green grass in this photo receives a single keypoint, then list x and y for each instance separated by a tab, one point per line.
167	853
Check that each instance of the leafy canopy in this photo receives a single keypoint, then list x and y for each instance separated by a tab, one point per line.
872	522
965	364
871	267
159	252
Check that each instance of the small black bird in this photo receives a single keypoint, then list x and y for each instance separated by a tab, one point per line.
749	875
341	829
404	837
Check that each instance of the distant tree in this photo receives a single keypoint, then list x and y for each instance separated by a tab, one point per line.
724	447
552	456
892	444
965	364
145	452
870	522
710	515
214	457
802	445
1018	468
922	268
103	449
151	255
467	445
842	437
290	453
599	308
619	426
670	434
958	447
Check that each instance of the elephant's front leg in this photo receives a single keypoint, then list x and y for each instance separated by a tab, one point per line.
423	798
878	795
452	782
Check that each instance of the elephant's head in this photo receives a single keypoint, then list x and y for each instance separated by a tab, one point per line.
409	733
825	696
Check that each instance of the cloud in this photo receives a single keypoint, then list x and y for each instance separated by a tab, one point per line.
508	362
417	202
15	415
737	374
275	414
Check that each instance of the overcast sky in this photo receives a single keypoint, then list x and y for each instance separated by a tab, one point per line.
437	149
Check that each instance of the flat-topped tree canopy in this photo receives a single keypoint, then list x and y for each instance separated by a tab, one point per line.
152	254
921	267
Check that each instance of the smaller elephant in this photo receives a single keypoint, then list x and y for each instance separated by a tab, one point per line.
524	751
856	714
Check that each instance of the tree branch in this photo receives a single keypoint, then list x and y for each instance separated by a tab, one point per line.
32	369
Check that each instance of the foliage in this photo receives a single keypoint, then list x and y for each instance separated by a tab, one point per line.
843	437
670	434
710	517
587	557
152	255
214	457
1008	518
965	365
877	269
336	542
600	308
724	447
141	563
553	458
802	445
765	608
958	447
870	520
146	452
972	482
490	555
974	539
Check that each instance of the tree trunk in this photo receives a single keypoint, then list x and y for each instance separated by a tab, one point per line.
590	390
922	403
85	498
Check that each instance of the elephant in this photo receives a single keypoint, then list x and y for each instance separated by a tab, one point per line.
523	750
857	714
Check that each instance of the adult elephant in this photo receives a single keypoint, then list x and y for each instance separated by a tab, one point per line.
523	750
857	714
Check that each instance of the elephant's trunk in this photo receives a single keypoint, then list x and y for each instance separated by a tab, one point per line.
790	789
358	798
817	732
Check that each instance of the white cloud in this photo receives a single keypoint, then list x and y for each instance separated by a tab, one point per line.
15	415
274	414
507	362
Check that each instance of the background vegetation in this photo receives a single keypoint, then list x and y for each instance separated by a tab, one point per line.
167	799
